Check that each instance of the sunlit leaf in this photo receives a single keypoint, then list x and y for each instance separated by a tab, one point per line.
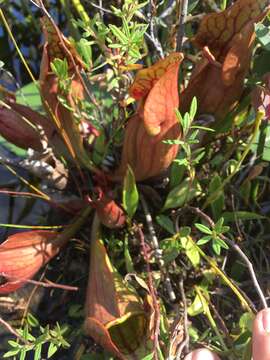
204	229
29	95
130	193
182	194
191	251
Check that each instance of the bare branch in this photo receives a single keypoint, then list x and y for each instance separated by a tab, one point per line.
185	343
13	331
157	250
153	294
181	28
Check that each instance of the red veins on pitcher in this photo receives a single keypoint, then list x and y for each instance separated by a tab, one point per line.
155	121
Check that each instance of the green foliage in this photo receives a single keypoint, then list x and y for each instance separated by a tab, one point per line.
214	171
213	235
29	95
60	68
84	49
50	339
263	35
182	194
128	38
130	193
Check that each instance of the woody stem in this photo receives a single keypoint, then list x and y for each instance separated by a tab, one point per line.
181	28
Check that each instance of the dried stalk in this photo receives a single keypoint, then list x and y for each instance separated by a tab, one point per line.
153	294
157	250
181	28
185	343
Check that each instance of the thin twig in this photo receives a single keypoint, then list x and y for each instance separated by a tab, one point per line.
100	8
185	343
181	28
221	323
153	294
151	15
13	331
157	251
169	10
243	256
47	284
29	300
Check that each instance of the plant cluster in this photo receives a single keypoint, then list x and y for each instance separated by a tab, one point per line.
155	138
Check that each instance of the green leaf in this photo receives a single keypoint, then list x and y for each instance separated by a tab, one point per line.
204	229
263	35
246	321
60	68
29	95
241	215
186	123
119	34
191	250
52	350
204	240
193	109
179	117
25	332
222	243
165	222
171	248
128	258
218	204
263	149
192	4
23	355
242	339
184	231
216	247
38	349
177	171
180	162
182	194
130	193
11	353
75	311
218	225
261	64
42	338
149	357
197	307
13	343
32	320
85	50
